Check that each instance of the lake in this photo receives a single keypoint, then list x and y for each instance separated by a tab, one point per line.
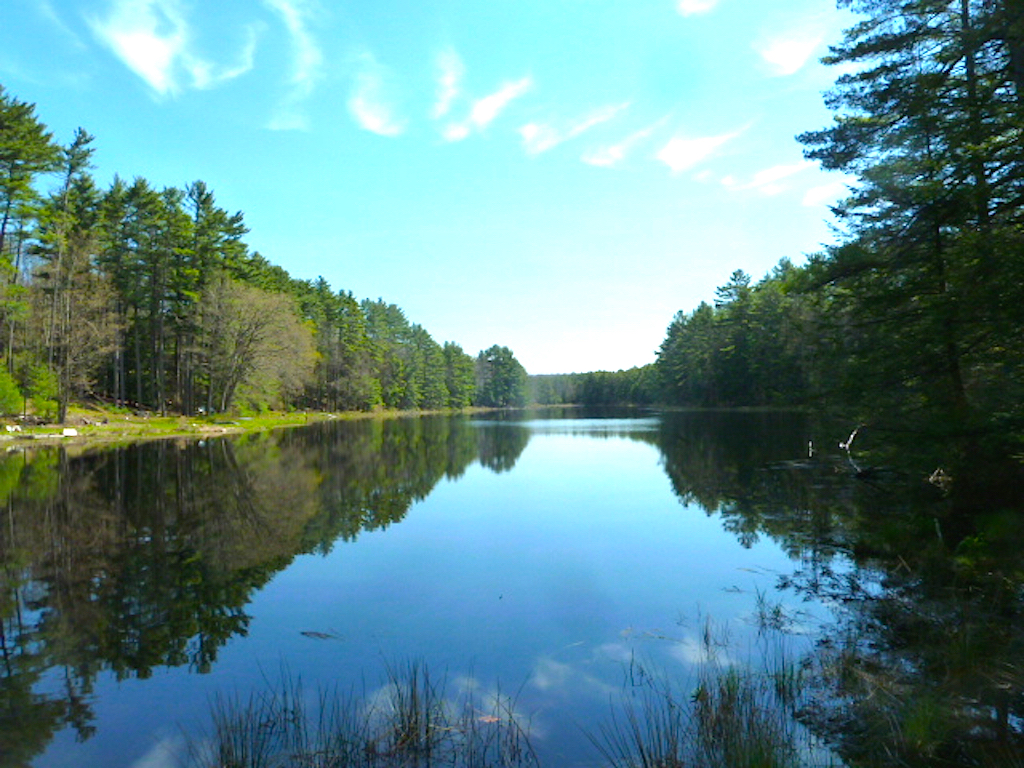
544	562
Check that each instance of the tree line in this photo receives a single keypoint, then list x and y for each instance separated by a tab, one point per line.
916	311
150	297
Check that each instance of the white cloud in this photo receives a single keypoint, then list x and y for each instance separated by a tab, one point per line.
538	138
767	181
205	76
484	111
489	107
611	155
694	651
455	132
557	677
450	71
166	753
777	173
153	39
147	36
692	7
306	67
682	154
825	194
370	104
788	53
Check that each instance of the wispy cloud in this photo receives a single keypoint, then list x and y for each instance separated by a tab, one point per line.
370	104
48	12
767	181
692	7
205	76
787	53
538	138
486	110
613	154
153	39
306	67
450	71
681	154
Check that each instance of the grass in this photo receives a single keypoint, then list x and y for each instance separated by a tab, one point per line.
411	720
727	715
108	425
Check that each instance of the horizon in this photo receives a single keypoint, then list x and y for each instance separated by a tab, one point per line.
560	179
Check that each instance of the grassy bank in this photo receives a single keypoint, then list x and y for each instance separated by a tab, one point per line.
87	425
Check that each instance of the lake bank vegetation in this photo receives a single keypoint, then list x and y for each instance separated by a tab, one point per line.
150	298
912	321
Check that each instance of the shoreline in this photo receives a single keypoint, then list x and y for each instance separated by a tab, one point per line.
88	427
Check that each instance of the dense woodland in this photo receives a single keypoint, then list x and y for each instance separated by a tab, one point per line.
150	296
914	317
919	305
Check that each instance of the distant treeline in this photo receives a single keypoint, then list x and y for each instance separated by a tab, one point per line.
151	298
637	386
915	313
915	316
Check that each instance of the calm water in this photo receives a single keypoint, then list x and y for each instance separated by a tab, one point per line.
538	555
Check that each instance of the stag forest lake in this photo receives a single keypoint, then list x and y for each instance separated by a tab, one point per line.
547	556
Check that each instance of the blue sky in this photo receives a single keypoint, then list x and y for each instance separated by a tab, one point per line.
557	176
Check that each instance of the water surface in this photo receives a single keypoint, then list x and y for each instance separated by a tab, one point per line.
541	556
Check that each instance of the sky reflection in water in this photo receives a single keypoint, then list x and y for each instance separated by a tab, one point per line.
545	579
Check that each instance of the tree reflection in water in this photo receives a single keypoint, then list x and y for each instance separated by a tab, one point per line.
923	664
136	558
128	560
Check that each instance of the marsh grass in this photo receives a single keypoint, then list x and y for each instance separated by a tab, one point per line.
410	720
725	715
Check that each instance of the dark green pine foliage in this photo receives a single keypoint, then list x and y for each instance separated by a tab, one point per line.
390	337
751	349
72	302
923	299
428	370
460	377
500	379
27	150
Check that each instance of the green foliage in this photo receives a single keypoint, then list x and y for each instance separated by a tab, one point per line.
913	317
500	379
636	386
459	376
752	348
924	292
11	399
40	385
127	300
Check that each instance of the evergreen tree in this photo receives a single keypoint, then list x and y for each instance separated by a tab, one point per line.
500	379
925	292
459	375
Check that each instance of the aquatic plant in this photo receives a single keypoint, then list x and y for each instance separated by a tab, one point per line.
726	715
410	720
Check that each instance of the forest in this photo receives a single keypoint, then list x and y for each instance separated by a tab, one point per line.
150	298
912	317
912	320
